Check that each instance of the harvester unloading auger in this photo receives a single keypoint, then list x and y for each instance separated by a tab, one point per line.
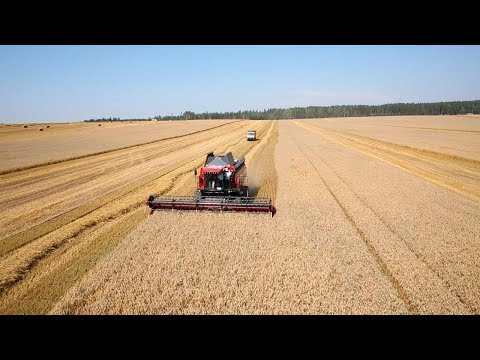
220	186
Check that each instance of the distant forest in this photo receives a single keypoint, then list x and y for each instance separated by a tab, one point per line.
438	108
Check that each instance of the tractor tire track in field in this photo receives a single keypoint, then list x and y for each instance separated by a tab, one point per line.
381	263
392	251
418	255
77	214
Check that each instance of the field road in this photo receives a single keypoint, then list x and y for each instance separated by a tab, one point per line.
365	223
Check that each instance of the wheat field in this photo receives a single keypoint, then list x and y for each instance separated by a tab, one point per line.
368	221
59	219
375	215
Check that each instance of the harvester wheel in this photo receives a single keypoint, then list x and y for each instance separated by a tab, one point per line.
245	191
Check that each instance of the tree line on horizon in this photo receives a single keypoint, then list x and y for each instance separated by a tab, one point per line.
437	108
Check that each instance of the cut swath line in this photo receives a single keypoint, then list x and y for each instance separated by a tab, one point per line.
3	172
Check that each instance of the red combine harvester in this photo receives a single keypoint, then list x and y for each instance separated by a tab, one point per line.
221	186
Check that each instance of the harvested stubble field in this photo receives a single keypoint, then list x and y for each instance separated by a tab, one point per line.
59	219
368	221
23	147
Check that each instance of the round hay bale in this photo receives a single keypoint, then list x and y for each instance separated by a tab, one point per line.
48	126
25	126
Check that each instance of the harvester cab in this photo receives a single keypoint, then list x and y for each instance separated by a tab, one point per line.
221	185
223	175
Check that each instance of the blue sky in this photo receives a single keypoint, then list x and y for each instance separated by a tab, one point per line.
74	83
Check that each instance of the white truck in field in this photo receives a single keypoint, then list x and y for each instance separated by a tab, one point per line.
251	135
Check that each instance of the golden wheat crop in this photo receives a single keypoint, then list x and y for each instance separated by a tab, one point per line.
375	215
360	228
